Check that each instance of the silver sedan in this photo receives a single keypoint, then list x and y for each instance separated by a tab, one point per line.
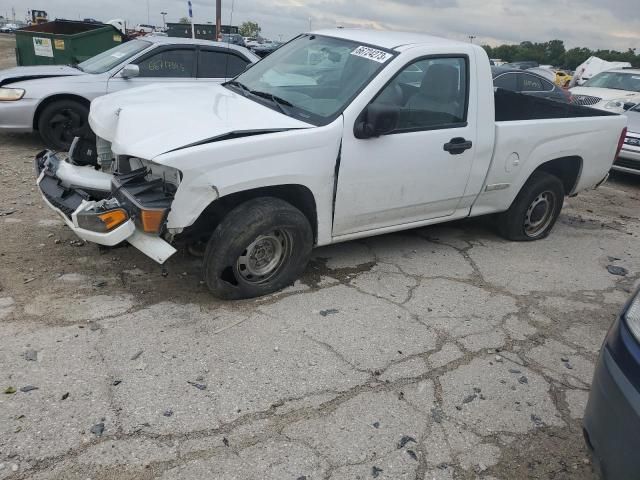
54	100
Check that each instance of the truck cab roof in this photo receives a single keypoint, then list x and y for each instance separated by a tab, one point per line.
386	39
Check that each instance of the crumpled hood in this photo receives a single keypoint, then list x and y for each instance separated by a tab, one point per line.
607	94
149	121
18	74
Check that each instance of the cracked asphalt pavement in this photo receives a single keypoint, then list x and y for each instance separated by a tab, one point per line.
438	353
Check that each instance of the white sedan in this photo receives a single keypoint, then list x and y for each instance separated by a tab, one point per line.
54	100
613	90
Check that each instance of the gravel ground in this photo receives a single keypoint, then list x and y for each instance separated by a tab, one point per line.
439	353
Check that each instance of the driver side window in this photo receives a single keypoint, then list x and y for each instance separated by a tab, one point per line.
429	93
169	63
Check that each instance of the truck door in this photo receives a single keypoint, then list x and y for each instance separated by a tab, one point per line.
217	65
419	169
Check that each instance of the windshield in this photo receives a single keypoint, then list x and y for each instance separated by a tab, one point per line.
312	77
616	81
107	60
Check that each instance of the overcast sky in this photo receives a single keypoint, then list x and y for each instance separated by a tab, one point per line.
591	23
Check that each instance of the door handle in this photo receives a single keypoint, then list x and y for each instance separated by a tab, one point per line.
457	145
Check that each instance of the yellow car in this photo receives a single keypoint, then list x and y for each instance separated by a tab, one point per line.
562	78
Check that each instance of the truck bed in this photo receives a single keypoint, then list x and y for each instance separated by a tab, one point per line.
531	131
512	106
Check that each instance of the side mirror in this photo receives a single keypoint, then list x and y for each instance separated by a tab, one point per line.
376	120
249	65
130	71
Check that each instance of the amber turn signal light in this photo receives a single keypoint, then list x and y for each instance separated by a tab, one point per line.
113	218
102	222
152	220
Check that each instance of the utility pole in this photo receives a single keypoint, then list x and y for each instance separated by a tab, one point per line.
193	29
471	37
309	23
218	20
164	21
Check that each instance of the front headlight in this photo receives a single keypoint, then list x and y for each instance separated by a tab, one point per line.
11	94
632	316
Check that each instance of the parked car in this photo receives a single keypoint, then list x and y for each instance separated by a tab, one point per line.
264	49
612	416
233	38
285	157
628	160
54	100
528	82
613	90
142	28
9	28
521	65
563	78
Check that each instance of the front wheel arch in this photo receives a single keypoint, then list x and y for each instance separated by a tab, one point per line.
299	196
53	98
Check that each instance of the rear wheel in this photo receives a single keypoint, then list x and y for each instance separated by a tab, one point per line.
261	246
61	121
535	210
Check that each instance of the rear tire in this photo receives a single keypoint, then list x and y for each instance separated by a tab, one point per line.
535	210
61	121
261	246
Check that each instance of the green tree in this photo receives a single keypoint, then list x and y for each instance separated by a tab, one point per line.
249	29
553	53
184	20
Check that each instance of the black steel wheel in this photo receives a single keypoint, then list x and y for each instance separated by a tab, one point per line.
61	121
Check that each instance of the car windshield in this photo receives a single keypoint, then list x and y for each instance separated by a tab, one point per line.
312	77
105	61
616	80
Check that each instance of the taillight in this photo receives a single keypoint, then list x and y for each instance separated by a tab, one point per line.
623	135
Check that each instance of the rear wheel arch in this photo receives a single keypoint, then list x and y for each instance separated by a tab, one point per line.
299	196
566	169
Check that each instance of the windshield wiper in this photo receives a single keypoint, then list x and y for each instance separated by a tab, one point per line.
241	86
277	101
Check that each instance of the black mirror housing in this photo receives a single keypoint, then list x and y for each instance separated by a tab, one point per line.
376	120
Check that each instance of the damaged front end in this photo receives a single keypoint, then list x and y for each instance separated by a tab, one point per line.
129	204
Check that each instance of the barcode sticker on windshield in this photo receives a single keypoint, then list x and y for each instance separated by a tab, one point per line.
371	54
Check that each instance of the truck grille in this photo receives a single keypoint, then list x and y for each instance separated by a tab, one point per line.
632	141
627	163
585	100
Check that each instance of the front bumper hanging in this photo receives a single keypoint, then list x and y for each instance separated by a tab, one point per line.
73	191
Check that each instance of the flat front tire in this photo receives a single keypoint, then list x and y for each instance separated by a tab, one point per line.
260	247
535	210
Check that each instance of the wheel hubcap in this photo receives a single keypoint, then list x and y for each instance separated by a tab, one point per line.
539	214
264	257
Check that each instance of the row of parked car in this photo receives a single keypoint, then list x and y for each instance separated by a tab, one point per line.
54	100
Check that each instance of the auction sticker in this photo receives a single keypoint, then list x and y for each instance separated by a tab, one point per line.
371	54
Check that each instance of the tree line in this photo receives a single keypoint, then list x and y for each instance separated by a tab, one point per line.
554	53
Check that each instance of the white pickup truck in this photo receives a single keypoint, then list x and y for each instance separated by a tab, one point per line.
339	134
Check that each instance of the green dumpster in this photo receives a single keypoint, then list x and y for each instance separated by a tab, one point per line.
64	42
